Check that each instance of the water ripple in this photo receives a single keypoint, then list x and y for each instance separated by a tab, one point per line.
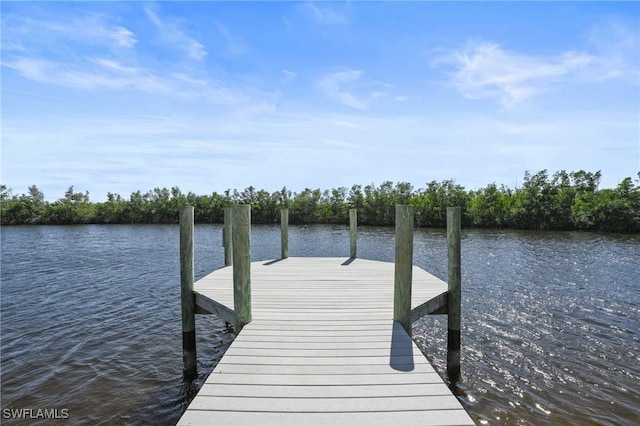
91	319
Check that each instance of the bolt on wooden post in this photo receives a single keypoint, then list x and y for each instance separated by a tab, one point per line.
353	231
242	265
403	266
454	296
284	233
226	237
186	294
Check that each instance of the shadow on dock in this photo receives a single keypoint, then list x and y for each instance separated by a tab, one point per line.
348	261
401	355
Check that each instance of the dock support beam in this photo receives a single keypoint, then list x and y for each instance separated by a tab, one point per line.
226	236
454	296
186	294
353	231
284	233
242	265
403	266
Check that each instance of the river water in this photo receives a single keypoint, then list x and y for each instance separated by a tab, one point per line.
90	320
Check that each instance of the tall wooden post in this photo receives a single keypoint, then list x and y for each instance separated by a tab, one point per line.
454	297
284	233
242	264
403	266
186	294
353	231
226	236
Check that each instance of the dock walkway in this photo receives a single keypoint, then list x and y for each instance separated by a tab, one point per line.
322	349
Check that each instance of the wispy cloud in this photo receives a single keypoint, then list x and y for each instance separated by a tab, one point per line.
289	75
326	15
233	44
486	70
617	47
341	86
170	31
206	102
87	28
101	73
94	52
326	149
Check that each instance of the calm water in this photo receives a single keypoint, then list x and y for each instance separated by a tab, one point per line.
91	320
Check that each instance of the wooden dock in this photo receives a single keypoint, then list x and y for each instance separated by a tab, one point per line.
322	348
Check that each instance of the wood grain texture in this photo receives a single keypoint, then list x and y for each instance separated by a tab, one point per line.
241	278
403	266
187	296
353	232
454	294
226	236
284	233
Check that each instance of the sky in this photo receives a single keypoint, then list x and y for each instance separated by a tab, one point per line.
208	96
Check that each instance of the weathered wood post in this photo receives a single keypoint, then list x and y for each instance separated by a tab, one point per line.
353	231
454	297
226	236
186	294
242	264
403	266
284	233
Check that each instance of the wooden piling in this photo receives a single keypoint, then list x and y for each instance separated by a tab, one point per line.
454	293
226	236
186	293
353	231
242	264
284	233
403	266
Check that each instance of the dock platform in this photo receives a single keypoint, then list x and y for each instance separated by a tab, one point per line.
323	349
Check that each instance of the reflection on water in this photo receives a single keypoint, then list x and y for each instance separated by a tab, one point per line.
91	319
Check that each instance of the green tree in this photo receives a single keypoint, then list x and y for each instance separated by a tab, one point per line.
304	205
112	211
73	208
432	202
488	207
565	201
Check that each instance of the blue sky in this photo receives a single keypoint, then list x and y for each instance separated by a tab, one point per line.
125	96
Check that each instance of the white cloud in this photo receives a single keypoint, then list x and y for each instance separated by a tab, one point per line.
115	66
206	152
617	48
340	86
171	33
289	75
123	37
101	73
106	74
94	27
486	70
233	45
325	15
87	28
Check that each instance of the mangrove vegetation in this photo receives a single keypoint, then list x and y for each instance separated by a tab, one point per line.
563	201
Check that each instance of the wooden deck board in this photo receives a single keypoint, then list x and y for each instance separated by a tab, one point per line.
377	390
362	402
372	418
323	349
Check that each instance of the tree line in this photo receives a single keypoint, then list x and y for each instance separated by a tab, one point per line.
563	201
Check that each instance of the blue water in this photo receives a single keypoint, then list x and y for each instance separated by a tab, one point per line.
90	320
